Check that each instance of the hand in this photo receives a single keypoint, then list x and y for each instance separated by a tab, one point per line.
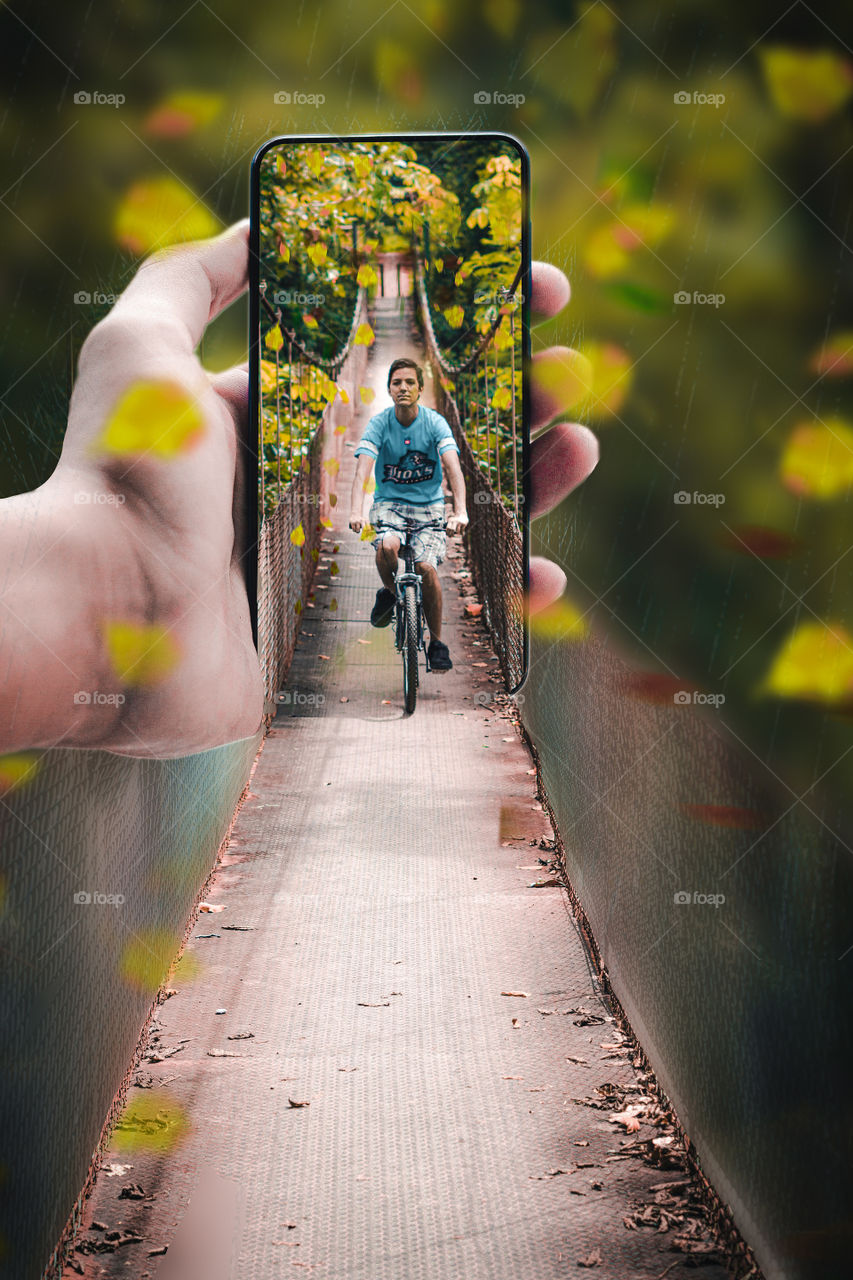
155	540
561	456
456	523
356	523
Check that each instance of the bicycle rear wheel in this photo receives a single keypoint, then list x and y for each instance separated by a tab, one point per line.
410	651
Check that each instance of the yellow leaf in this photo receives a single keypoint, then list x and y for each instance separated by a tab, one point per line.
140	654
267	375
332	466
835	358
283	251
326	523
806	84
147	957
333	499
565	377
364	336
150	1121
502	398
152	417
309	322
815	664
362	165
333	604
646	224
17	769
612	374
334	570
317	253
818	459
503	337
366	275
439	265
368	533
602	255
161	211
273	339
298	536
559	621
454	316
314	160
180	113
297	608
368	395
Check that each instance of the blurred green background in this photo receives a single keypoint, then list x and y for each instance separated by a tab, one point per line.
685	150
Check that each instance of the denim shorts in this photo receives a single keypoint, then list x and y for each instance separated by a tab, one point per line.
389	516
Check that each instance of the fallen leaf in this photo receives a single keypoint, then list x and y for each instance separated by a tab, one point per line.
523	994
298	1104
207	906
591	1259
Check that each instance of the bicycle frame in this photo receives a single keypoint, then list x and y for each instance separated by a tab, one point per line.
410	577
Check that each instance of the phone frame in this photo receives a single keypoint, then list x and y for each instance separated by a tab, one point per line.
254	516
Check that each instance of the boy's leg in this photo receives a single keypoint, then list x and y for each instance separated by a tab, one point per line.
431	588
386	559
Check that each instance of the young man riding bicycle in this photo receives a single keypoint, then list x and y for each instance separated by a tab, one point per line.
409	444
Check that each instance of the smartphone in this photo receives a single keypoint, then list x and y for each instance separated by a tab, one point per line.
366	251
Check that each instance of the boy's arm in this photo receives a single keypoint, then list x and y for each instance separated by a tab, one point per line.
359	488
453	468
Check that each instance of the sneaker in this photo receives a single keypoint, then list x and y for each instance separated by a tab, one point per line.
383	609
439	656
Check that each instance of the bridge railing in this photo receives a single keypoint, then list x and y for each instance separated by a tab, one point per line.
301	402
487	429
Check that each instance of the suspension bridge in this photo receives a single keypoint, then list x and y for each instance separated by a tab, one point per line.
386	1062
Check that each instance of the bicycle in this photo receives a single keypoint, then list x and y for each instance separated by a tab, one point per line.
409	613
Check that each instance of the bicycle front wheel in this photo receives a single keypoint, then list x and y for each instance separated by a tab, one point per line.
410	650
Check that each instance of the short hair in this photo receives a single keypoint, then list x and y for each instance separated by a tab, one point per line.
405	363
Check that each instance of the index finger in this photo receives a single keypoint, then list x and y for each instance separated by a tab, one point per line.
189	283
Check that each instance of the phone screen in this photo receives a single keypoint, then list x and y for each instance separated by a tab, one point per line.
389	349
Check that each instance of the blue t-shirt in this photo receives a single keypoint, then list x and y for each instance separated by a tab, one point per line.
407	458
